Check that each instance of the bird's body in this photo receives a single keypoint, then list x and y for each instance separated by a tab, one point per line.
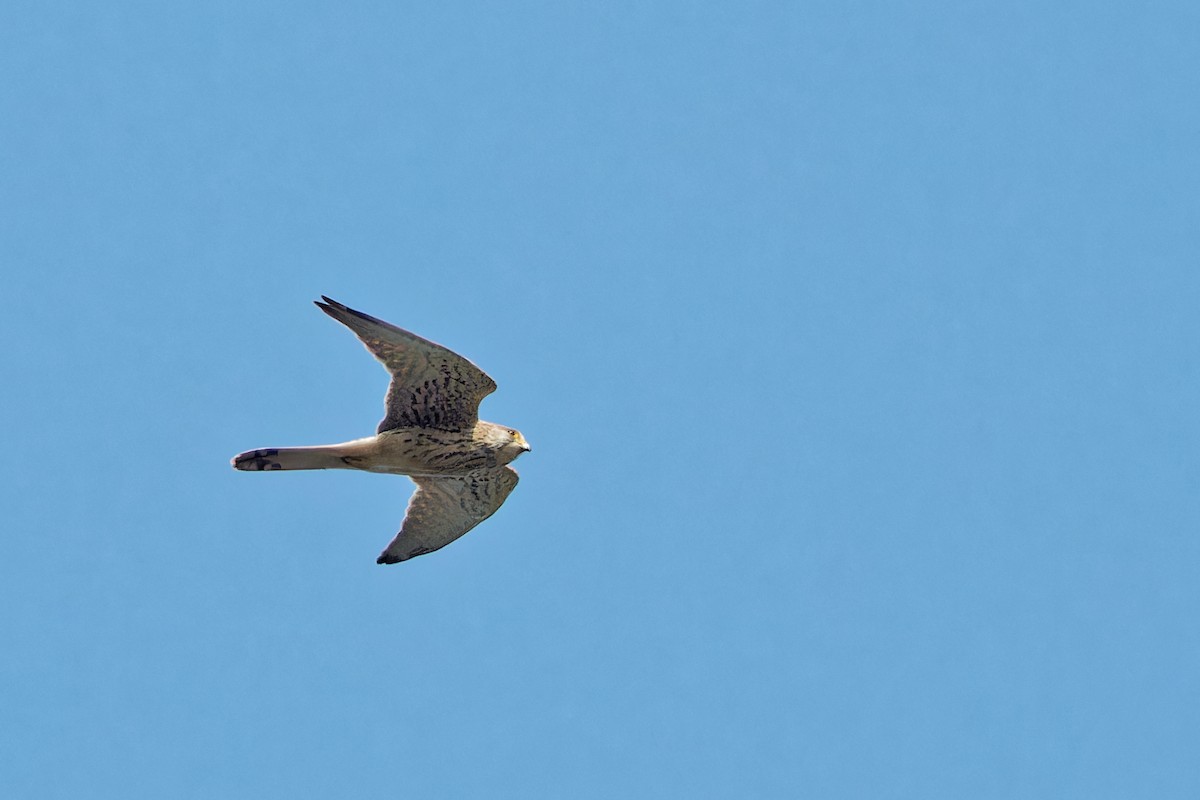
416	452
431	433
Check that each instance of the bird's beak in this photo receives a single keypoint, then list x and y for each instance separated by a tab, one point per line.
525	446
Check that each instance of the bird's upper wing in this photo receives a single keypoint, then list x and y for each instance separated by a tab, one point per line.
432	387
443	509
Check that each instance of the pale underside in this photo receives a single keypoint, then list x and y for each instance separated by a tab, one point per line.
443	509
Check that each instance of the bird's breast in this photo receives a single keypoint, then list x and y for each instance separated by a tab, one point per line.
423	451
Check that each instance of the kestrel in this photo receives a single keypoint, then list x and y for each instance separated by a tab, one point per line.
431	432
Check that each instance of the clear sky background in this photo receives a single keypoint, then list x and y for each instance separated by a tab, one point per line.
856	343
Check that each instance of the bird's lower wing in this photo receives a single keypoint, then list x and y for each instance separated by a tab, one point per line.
443	509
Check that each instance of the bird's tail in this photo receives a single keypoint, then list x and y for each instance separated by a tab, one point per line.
324	457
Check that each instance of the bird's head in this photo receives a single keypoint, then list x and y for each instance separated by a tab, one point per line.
509	442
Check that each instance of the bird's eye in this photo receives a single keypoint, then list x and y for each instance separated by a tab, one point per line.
513	433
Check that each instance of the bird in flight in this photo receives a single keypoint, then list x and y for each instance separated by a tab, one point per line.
431	432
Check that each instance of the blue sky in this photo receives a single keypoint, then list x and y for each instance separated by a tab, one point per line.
856	342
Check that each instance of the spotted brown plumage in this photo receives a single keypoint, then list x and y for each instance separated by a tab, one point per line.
431	432
441	506
432	387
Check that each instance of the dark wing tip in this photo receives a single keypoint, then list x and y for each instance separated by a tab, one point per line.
386	559
340	311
